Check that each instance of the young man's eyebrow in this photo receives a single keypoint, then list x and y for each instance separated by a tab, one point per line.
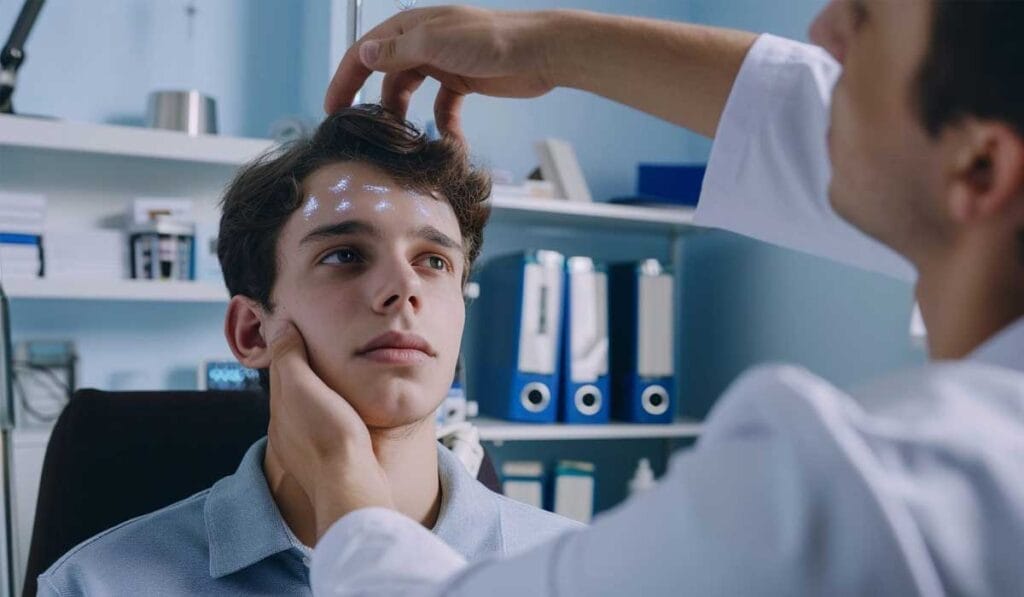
436	236
341	229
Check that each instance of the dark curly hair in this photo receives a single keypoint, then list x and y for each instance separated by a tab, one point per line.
973	66
265	192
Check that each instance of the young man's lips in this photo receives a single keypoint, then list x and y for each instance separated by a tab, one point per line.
397	348
396	356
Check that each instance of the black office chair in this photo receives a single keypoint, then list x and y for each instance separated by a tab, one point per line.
113	456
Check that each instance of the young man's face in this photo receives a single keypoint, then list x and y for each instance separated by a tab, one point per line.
885	168
371	275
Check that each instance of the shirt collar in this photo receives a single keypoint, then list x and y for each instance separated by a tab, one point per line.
1005	349
243	524
469	518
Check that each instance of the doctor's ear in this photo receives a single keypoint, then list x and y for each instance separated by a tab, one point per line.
245	331
987	172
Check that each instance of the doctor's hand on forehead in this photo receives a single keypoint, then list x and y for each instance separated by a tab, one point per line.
321	440
676	72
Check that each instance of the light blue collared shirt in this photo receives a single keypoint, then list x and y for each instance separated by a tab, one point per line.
231	539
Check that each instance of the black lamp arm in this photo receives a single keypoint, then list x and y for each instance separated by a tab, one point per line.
13	53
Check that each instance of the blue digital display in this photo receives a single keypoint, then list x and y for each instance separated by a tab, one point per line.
230	375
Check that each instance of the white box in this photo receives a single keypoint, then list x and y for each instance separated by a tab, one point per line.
574	490
524	482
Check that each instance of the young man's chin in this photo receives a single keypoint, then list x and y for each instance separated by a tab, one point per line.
394	411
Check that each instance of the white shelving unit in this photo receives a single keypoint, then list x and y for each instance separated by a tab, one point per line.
116	290
557	212
495	430
124	141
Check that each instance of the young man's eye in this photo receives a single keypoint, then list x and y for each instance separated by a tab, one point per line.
437	262
341	256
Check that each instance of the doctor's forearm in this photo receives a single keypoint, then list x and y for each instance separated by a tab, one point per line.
678	72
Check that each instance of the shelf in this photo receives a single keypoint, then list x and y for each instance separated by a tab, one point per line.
560	211
125	141
495	430
115	290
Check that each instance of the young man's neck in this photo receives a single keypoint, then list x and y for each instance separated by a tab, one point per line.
409	458
969	295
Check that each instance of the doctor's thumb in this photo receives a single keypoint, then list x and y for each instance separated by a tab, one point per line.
286	341
392	54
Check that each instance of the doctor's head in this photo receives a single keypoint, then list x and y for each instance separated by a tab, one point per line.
363	236
927	127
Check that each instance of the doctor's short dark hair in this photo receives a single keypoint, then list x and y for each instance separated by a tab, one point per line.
973	66
267	191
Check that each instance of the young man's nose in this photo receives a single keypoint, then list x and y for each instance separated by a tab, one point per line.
398	287
829	28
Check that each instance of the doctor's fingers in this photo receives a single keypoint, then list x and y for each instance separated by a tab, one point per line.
397	90
398	52
448	112
286	343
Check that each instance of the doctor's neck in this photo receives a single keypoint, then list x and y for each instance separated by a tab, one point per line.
971	292
408	456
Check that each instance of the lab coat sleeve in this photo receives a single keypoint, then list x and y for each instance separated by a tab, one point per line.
376	551
769	171
778	498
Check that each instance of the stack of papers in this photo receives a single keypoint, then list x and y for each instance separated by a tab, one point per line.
22	220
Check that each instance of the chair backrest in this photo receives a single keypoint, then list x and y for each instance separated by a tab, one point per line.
113	456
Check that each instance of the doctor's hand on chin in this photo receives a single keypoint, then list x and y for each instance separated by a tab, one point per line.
319	438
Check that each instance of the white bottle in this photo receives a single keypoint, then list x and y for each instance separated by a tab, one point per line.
643	478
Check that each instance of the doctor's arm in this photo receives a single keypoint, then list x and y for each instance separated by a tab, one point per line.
678	72
719	512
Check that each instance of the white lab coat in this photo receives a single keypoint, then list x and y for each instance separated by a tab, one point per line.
912	485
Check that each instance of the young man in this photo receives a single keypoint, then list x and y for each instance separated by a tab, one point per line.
362	237
911	485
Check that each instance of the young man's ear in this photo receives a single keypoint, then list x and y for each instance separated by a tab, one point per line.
988	171
244	331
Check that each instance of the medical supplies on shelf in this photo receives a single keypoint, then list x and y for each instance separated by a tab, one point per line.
162	239
574	488
568	491
523	481
643	478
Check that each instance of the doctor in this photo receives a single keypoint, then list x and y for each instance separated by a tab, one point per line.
910	485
